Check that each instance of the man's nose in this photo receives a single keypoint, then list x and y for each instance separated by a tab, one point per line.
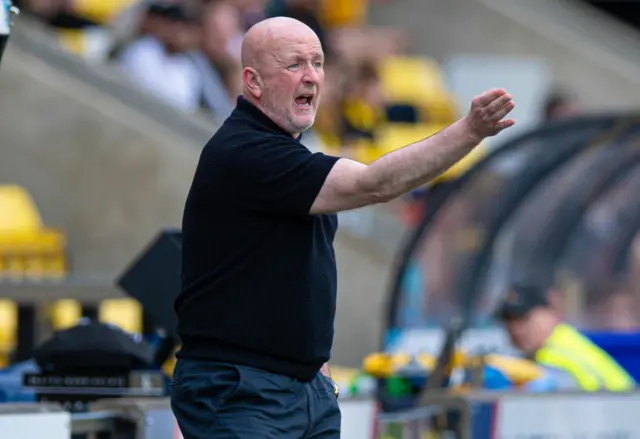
310	75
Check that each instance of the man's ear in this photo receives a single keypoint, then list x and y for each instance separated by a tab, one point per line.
252	82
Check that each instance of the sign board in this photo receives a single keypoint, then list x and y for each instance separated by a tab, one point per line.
35	425
570	416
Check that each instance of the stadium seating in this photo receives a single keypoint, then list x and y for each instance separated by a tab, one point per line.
124	313
93	38
65	314
28	249
343	13
418	82
8	329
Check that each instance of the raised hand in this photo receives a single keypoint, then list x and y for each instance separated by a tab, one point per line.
486	116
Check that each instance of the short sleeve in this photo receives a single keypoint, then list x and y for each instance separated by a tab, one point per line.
280	177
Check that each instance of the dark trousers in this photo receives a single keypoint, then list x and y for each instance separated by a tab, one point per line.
212	400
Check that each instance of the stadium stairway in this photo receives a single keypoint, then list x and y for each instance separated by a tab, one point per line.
587	52
111	166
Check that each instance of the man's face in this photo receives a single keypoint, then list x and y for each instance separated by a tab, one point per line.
528	332
293	77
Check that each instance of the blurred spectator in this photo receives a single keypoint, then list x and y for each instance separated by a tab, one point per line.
157	60
611	305
219	58
80	24
251	11
305	11
363	107
559	105
186	53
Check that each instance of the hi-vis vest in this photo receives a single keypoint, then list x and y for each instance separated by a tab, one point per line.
593	369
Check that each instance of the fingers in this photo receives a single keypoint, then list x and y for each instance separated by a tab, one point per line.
503	111
488	110
503	124
499	103
488	96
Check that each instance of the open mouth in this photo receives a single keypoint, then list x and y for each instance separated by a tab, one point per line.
304	100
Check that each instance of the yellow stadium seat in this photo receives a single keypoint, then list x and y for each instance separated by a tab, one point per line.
404	76
65	314
339	13
124	313
101	11
418	82
28	250
394	136
18	211
364	151
8	325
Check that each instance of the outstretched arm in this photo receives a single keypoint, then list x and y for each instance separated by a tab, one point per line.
350	184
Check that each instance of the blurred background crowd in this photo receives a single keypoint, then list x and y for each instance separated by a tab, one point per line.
378	95
188	51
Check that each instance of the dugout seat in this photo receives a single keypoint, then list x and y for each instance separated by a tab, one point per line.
124	313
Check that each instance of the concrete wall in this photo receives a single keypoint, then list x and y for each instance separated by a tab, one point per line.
440	28
99	171
111	172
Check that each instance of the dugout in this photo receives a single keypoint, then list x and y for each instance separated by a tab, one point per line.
520	214
443	263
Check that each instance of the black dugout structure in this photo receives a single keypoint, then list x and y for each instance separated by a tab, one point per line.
556	206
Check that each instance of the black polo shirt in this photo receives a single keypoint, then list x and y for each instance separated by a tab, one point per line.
258	271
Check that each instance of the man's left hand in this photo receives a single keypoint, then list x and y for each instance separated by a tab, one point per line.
327	373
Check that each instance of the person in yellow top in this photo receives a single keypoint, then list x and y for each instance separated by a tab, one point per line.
536	328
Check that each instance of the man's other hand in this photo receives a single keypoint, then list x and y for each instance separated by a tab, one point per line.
486	116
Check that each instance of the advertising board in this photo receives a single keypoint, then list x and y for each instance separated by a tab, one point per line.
568	416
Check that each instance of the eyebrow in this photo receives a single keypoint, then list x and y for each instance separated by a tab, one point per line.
299	56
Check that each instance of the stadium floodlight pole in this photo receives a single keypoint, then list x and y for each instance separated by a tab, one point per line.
8	12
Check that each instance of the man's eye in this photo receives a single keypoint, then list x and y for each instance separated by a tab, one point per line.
317	65
293	66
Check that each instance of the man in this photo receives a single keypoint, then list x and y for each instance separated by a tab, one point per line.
258	298
558	106
535	328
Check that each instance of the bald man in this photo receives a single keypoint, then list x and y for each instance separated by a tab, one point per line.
258	298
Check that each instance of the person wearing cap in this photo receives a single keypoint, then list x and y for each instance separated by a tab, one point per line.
536	328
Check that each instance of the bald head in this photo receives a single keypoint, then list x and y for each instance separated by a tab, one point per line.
272	35
283	71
